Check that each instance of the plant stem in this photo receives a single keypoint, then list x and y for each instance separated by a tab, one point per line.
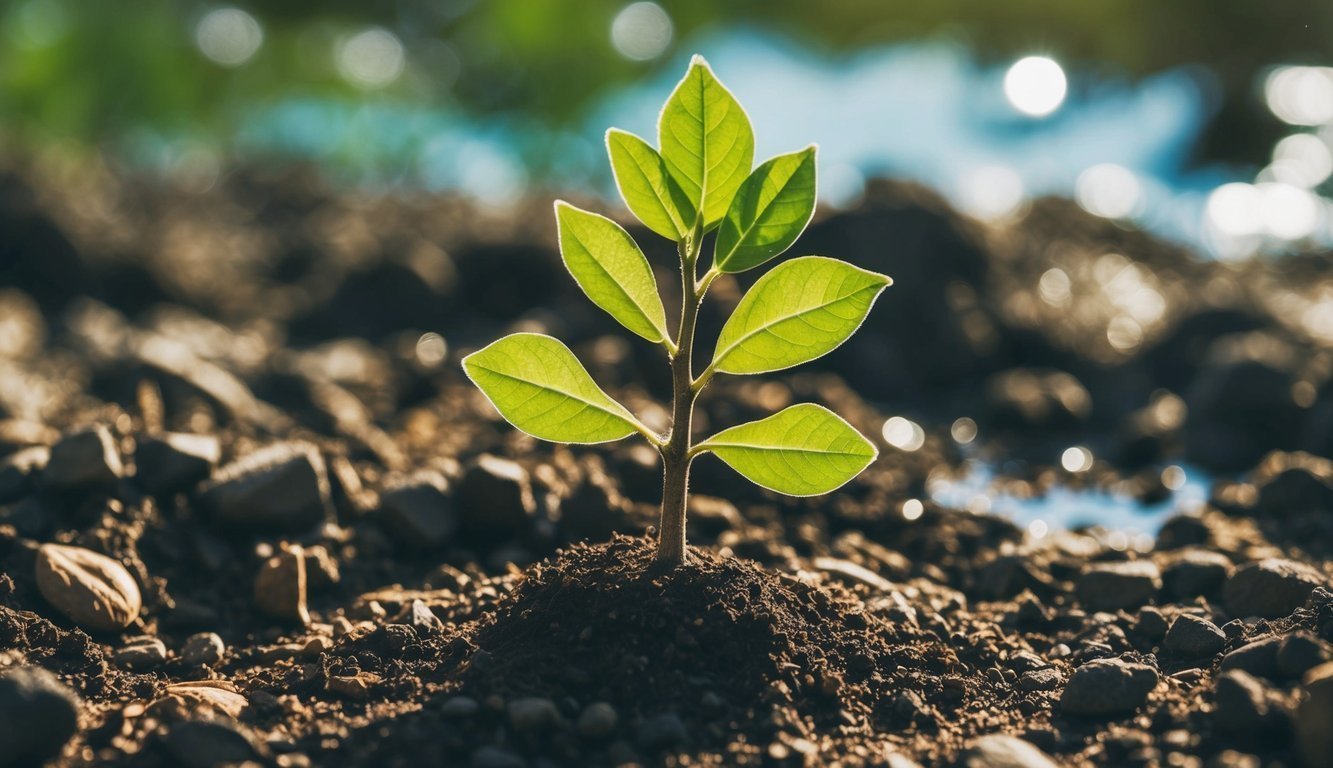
676	456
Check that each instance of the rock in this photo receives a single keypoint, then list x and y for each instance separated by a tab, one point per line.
495	498
1300	652
280	586
38	716
533	716
1293	483
174	462
209	743
281	488
91	589
661	732
141	654
1023	398
419	512
495	757
1195	572
1270	588
1112	586
200	698
1259	657
203	650
1107	687
1313	716
422	619
597	721
19	472
1152	623
595	509
1192	637
1240	402
999	751
86	460
460	707
355	687
1047	679
1239	704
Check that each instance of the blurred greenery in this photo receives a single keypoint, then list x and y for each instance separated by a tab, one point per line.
97	72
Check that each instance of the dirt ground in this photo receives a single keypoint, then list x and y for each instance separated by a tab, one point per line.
322	547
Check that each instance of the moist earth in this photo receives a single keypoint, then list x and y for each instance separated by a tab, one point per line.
252	513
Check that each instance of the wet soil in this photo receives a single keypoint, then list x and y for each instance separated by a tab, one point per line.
395	577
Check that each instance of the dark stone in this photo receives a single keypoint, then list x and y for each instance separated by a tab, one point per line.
1241	404
1293	483
1239	704
174	462
38	716
203	650
1195	572
1192	637
19	472
1258	657
1112	586
495	499
281	488
1107	687
1024	398
1299	653
209	743
1000	751
423	619
661	732
141	654
533	716
1152	623
419	512
86	460
1315	712
1040	680
1270	588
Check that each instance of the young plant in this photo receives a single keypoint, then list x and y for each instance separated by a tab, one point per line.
699	182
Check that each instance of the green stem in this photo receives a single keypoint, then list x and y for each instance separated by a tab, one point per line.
676	455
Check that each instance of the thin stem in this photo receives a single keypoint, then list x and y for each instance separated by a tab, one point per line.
676	456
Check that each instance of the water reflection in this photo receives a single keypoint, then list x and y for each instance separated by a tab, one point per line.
981	488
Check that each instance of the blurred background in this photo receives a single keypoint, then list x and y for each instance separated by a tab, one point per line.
1205	121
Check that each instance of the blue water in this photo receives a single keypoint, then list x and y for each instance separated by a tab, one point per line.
1124	520
927	112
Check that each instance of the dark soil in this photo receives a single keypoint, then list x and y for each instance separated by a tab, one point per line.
396	577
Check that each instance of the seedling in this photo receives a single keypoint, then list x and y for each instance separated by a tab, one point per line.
699	182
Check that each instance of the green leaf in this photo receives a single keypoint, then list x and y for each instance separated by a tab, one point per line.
537	384
647	186
804	450
768	213
803	309
706	140
611	269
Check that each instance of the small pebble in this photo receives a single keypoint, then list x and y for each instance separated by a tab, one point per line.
1193	637
203	650
141	654
597	721
1107	687
38	716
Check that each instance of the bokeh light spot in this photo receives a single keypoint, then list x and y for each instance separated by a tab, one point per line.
1076	459
1301	95
1110	191
964	430
641	31
1035	85
228	36
372	58
904	434
913	509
